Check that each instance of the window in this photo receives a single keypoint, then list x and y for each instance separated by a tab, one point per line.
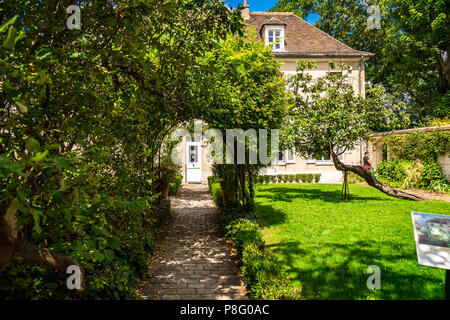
321	156
281	158
290	155
275	37
193	154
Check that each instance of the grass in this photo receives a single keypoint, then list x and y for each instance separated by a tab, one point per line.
328	244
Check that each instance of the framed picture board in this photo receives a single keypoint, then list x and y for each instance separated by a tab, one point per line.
432	235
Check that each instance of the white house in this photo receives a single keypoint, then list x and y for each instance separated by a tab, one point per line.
292	38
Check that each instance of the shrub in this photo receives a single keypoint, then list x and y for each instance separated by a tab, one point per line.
440	185
411	174
211	180
175	185
168	169
352	178
431	172
263	273
265	276
309	178
317	177
298	178
216	193
273	178
244	231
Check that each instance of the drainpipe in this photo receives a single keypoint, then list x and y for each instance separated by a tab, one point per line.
360	93
359	75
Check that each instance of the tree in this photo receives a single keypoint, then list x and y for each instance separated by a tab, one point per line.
82	116
248	94
411	47
327	116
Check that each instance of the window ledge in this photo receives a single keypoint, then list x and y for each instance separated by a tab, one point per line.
325	163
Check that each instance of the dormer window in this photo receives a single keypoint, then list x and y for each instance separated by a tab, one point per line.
275	37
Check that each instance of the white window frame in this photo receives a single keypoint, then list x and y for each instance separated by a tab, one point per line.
274	43
287	156
311	160
281	162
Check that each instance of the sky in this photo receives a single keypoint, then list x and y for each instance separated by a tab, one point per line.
255	5
264	5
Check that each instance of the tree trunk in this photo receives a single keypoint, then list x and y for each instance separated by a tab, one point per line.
345	190
11	246
372	181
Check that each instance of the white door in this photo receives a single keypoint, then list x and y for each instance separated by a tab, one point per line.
194	162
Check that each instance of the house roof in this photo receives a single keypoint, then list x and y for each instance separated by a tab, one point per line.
301	38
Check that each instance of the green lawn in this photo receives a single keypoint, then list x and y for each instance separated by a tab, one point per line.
328	244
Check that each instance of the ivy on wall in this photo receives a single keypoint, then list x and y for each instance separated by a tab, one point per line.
419	145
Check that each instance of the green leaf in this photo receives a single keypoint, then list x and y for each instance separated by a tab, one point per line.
98	256
21	196
76	55
35	213
39	156
109	255
61	164
23	108
43	54
10	41
32	145
7	24
13	207
63	185
113	243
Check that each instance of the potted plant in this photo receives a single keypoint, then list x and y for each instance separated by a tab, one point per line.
168	173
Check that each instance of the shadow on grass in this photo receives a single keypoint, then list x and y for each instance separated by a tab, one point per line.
346	279
269	216
288	194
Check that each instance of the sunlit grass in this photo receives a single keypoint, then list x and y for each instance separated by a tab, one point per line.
328	244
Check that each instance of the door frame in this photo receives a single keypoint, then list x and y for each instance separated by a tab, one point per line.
197	166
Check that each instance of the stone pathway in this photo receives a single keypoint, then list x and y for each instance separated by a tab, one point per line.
194	262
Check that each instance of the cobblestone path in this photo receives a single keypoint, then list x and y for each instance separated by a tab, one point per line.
194	261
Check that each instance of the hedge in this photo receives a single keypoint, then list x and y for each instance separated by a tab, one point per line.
264	274
175	185
289	178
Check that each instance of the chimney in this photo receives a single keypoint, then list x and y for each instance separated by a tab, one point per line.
246	11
